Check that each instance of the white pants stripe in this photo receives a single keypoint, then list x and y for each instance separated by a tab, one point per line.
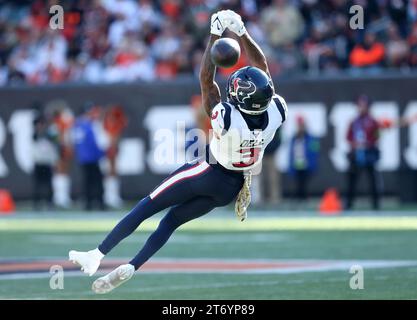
188	173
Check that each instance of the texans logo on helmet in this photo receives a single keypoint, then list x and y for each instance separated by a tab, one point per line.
243	89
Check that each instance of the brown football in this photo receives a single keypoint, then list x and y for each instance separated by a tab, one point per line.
225	52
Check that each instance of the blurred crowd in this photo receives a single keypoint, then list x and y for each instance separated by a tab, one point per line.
89	139
127	40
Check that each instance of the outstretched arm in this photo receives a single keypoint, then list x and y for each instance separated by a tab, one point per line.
210	91
254	53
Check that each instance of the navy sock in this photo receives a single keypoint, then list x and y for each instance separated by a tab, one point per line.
142	211
156	240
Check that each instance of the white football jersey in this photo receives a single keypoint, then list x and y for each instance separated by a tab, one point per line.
236	143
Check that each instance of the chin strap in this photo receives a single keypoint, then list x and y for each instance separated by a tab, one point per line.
244	197
254	113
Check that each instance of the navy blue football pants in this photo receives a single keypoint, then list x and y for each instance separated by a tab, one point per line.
191	191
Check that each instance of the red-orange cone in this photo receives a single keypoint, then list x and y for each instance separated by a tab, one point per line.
7	205
330	204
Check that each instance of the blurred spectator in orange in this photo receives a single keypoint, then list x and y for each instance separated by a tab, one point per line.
369	54
115	121
171	8
63	120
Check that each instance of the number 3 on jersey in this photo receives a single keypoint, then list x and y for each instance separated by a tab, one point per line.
251	155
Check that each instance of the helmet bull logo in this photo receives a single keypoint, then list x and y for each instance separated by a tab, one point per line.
243	89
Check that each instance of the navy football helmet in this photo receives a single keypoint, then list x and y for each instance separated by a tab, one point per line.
250	89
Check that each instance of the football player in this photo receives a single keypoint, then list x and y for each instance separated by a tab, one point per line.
242	126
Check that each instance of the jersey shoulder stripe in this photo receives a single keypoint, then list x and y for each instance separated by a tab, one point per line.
282	106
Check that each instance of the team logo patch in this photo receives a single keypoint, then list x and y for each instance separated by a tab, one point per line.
243	89
214	115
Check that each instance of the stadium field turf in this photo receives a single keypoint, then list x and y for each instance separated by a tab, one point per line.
305	257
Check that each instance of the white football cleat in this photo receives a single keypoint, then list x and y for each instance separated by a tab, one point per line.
113	279
89	261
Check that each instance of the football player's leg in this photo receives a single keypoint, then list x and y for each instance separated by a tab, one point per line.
90	260
176	216
173	190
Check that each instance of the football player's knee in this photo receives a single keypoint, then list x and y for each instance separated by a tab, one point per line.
170	220
222	202
226	199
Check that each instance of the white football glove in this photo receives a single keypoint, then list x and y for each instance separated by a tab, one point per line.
234	22
218	23
244	198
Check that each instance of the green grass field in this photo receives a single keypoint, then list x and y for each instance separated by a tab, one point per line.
372	241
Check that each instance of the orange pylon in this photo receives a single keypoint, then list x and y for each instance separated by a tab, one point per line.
330	204
7	205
